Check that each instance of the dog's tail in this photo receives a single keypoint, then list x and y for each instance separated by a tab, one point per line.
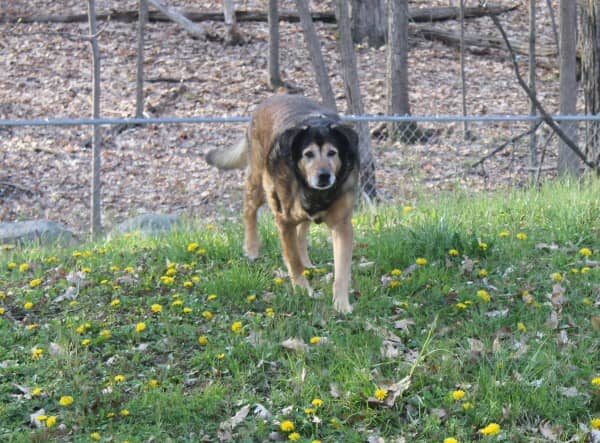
235	157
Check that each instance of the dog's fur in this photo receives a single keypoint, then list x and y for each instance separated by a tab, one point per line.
305	164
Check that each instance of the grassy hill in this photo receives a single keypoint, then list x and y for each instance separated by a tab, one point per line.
476	317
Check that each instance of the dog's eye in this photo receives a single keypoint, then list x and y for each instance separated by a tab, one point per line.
309	154
331	153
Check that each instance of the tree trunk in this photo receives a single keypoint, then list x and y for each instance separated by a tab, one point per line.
233	35
350	74
95	221
533	163
314	50
369	22
590	63
274	76
567	160
139	83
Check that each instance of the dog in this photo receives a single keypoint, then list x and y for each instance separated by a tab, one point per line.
304	163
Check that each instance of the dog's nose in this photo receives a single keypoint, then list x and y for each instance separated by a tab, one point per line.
324	179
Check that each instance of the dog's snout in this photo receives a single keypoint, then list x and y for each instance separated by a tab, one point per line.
324	179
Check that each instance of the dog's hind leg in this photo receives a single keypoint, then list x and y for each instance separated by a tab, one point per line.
254	197
302	235
289	248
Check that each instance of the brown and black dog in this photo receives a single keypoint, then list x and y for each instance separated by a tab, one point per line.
304	162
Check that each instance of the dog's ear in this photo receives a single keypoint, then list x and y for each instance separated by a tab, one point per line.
346	132
287	139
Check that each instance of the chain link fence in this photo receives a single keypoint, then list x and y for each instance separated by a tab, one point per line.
156	164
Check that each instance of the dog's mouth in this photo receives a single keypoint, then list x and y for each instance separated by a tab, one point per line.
322	181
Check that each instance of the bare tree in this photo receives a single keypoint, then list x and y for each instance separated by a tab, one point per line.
233	35
350	74
314	50
567	160
96	220
532	85
274	77
590	63
139	96
369	22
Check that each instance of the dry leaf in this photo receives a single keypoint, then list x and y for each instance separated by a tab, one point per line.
394	391
550	432
404	324
552	322
563	338
476	346
295	344
595	322
34	418
224	433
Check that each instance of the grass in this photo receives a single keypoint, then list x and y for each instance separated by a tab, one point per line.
492	336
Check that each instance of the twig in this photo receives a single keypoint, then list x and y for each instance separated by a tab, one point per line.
17	187
506	143
544	115
543	156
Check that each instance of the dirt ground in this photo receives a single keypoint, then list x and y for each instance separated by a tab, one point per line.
46	73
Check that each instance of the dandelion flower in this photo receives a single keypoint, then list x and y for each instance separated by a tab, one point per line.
458	394
124	412
207	315
251	298
453	252
65	400
95	436
1	310
119	378
28	305
211	297
36	353
396	272
287	426
482	273
421	261
317	402
450	440
167	279
521	327
503	233
467	405
483	246
237	327
380	394
278	280
35	282
203	340
294	436
521	236
596	381
188	284
85	342
115	302
491	429
51	421
483	294
595	423
36	391
407	208
586	252
556	276
314	340
187	310
585	269
23	267
191	247
269	312
105	333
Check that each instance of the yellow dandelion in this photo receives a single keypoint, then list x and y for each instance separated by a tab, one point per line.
278	280
65	400
483	246
504	233
191	247
309	411
237	327
482	272
458	394
287	426
124	412
36	391
119	378
207	315
115	302
36	353
35	282
156	308
407	208
491	429
85	342
1	310
95	436
556	276
467	405
585	269
294	436
314	340
196	278
251	298
269	312
453	252
521	236
586	252
211	297
595	423
203	340
380	394
187	310
316	402
221	356
51	421
450	440
171	272
188	284
421	261
484	295
596	381
167	279
23	267
461	305
152	383
105	333
395	272
177	302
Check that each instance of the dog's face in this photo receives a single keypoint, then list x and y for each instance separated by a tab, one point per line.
320	164
320	154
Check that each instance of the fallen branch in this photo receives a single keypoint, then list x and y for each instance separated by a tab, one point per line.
506	143
544	115
421	15
194	29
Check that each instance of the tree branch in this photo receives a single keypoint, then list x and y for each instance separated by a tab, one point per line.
532	96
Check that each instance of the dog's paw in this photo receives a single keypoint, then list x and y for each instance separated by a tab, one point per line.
251	252
342	305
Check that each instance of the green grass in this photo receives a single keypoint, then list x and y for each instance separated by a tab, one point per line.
481	322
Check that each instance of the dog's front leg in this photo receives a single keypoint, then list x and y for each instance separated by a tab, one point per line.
302	231
291	254
254	197
342	237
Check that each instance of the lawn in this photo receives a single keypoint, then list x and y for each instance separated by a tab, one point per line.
476	318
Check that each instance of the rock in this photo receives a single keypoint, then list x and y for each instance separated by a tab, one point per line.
42	232
148	224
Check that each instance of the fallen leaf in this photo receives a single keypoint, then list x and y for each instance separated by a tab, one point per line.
595	322
552	322
549	431
404	324
224	433
34	418
295	344
394	391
